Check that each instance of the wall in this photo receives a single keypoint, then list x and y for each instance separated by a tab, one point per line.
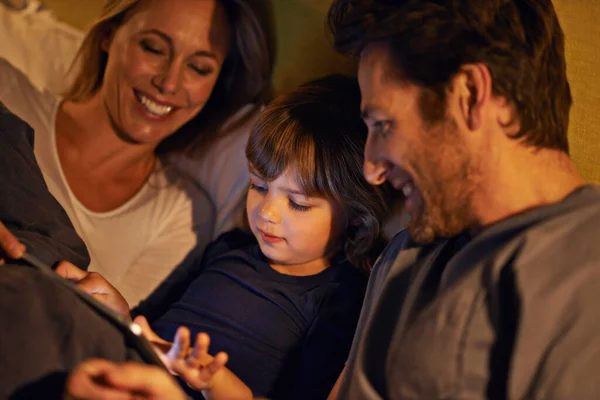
303	53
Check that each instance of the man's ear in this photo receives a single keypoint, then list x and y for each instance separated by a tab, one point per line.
473	87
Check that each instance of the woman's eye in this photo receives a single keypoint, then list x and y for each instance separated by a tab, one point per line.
298	207
202	71
259	189
150	48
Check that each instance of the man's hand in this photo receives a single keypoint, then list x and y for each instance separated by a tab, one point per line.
10	247
96	286
101	379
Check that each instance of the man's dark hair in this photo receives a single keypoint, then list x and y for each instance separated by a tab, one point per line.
520	41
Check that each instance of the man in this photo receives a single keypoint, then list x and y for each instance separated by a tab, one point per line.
492	291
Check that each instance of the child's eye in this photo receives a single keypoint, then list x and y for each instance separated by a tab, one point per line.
147	46
259	189
298	207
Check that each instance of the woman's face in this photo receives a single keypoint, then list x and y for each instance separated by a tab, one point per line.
163	63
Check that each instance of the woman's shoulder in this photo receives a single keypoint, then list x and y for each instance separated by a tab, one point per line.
25	100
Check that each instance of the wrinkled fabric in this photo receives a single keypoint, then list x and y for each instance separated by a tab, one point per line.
45	329
26	206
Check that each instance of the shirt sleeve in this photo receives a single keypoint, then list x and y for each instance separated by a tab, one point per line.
26	207
35	42
556	351
328	341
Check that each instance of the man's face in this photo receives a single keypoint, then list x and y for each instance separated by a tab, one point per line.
429	162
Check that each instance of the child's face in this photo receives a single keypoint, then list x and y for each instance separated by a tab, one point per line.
295	232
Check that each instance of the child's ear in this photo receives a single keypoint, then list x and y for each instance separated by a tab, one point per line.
356	222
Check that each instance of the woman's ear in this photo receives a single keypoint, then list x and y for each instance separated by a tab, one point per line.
107	38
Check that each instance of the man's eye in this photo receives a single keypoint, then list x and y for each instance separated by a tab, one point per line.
382	128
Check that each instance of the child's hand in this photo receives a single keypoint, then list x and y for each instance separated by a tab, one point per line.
199	369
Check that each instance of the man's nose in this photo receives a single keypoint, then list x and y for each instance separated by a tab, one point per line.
376	172
375	168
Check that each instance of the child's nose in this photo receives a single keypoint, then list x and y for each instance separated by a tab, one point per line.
269	213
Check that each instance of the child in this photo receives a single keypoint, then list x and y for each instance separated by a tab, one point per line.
283	301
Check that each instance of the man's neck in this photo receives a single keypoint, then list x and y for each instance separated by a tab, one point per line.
524	180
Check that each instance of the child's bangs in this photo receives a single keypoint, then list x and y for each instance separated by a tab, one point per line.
278	143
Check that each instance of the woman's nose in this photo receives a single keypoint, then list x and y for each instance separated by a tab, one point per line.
168	80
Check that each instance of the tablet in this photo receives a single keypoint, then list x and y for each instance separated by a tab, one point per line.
131	331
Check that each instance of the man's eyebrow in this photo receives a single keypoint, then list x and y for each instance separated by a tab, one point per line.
366	112
168	39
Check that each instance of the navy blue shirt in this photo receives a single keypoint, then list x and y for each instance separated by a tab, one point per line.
287	336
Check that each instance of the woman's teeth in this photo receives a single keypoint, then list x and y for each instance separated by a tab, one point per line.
153	107
407	189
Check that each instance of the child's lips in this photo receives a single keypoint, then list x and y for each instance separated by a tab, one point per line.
269	238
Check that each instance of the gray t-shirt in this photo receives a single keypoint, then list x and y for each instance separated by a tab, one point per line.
510	314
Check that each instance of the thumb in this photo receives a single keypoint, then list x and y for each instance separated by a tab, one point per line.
147	331
70	272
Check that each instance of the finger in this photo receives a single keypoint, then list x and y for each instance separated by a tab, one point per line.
218	362
146	380
87	382
147	331
70	271
181	344
9	244
200	351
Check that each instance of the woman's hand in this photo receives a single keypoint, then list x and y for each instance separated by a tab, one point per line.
10	247
96	286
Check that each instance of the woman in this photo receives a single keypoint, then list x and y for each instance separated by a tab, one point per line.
156	80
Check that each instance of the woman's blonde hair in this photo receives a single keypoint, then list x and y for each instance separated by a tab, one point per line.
244	78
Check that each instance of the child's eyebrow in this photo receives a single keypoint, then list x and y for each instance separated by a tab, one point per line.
294	191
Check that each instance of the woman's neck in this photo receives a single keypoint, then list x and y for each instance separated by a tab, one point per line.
86	132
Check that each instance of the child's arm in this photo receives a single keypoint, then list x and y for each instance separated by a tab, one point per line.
200	370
